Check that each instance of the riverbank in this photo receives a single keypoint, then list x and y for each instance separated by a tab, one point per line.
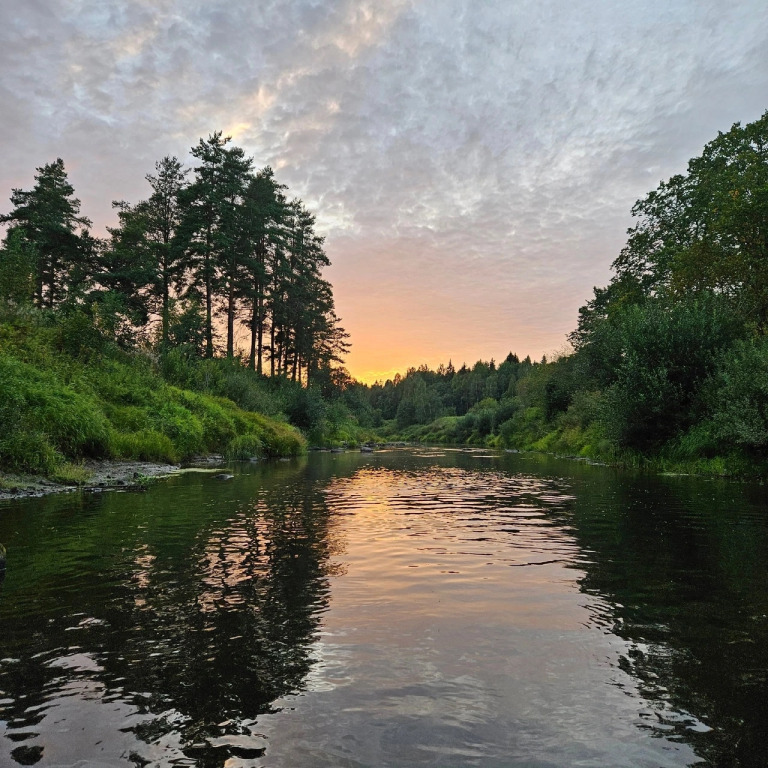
586	445
98	476
101	476
68	414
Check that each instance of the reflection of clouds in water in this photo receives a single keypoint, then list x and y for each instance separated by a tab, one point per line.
434	650
391	613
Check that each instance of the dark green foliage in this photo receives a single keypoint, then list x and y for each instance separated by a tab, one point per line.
419	404
669	359
223	378
305	408
737	396
523	429
485	416
186	328
208	228
560	387
77	333
707	230
17	267
43	418
666	352
44	231
57	404
228	244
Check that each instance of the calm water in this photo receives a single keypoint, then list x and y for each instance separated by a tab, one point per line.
406	608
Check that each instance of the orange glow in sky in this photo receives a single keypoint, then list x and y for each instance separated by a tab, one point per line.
471	166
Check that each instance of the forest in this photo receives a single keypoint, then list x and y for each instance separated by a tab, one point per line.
124	347
669	361
127	346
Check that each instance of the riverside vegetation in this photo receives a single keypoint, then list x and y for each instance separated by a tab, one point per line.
109	348
669	366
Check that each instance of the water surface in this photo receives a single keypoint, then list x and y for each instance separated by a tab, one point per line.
403	608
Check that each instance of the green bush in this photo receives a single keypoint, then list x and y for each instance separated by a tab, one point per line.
245	447
667	352
524	429
25	451
144	445
484	414
306	409
737	395
77	334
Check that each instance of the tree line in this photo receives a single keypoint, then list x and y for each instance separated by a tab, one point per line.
670	359
216	246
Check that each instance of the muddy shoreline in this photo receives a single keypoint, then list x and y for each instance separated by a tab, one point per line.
104	475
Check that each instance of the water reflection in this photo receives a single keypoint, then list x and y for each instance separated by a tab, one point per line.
683	565
473	646
431	607
196	612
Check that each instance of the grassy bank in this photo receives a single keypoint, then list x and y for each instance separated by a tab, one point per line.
526	429
63	399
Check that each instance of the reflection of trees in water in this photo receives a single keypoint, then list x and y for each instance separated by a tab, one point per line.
684	566
207	627
210	594
221	636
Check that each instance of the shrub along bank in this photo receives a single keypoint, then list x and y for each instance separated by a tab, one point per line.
669	361
57	407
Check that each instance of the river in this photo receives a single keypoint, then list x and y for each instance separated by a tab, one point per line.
412	607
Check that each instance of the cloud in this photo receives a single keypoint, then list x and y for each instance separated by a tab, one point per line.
479	157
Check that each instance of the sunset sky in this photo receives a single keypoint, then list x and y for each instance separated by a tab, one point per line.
471	164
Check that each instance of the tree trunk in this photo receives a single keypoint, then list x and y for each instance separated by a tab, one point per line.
252	355
166	320
260	333
208	318
272	348
208	296
231	318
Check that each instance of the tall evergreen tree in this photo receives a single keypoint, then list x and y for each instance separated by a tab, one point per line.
208	230
303	301
263	212
162	216
48	216
144	262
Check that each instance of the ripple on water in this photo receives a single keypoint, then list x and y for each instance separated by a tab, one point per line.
435	607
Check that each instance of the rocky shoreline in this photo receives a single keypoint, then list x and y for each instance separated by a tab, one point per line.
103	476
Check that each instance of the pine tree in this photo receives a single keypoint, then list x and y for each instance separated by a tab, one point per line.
162	216
208	231
48	216
262	215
